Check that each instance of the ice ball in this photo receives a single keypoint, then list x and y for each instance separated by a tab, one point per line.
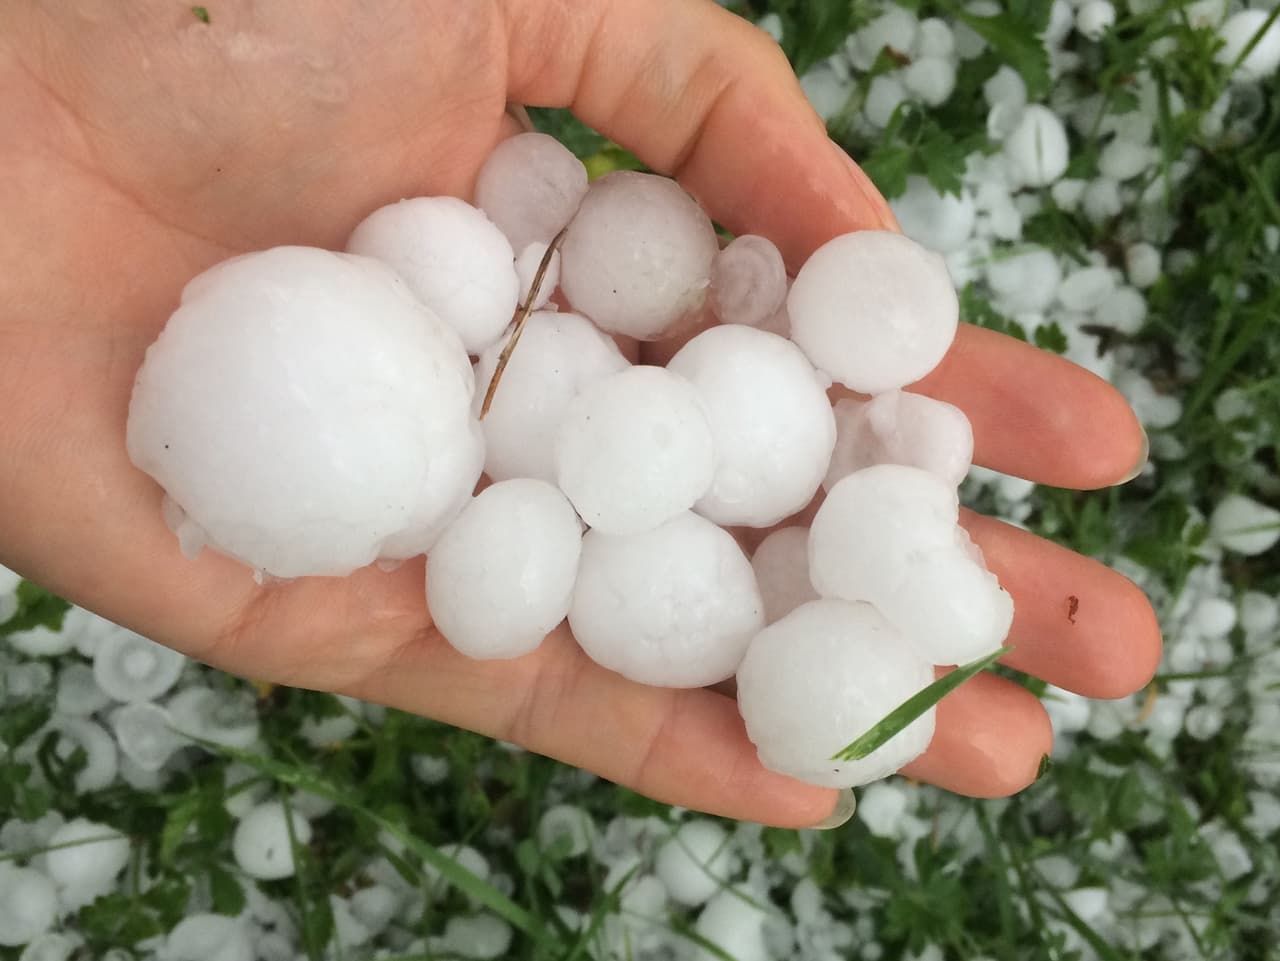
672	607
528	262
941	222
874	310
695	862
821	677
1238	32
85	853
28	905
567	828
1243	525
531	186
262	845
129	667
637	256
1037	149
781	563
898	427
209	937
501	576
748	281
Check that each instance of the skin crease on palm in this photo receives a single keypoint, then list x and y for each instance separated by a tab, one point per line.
138	146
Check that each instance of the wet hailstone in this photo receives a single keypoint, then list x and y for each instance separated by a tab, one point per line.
735	921
566	828
78	693
28	905
480	936
262	845
528	262
53	946
748	281
1244	525
102	760
531	186
941	222
781	565
898	427
696	862
129	667
1037	148
226	718
209	937
85	854
9	582
39	642
1238	32
146	735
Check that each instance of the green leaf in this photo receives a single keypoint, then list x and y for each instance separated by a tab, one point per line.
176	824
201	14
36	608
896	720
1050	337
1014	34
226	892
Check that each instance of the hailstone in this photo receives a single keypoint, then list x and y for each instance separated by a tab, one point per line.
748	281
820	678
1244	526
1037	149
500	577
1239	31
941	222
28	905
558	354
672	607
297	408
898	427
130	667
453	258
85	854
771	423
634	450
528	261
695	862
531	186
637	257
262	842
781	563
874	310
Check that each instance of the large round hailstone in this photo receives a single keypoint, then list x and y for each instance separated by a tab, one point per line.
637	257
1244	526
736	924
558	355
129	667
822	677
501	576
453	258
28	905
898	427
261	844
771	423
695	862
84	853
531	186
209	937
888	535
672	607
781	563
1238	32
748	281
296	409
634	450
941	222
1036	149
874	310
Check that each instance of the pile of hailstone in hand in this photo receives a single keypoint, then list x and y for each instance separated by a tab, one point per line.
310	412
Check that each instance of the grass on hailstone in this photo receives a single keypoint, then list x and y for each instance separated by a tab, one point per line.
1205	332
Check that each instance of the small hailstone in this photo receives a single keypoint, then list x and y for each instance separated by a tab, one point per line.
695	862
781	564
1027	280
26	680
1204	721
558	354
1101	199
1068	193
1153	409
1037	148
1238	32
941	222
635	449
102	760
93	855
9	582
671	607
1259	613
568	827
748	281
1095	18
874	310
826	90
467	858
28	905
1086	288
40	642
52	946
1232	404
452	257
637	256
1212	617
1123	310
884	96
932	79
1121	160
500	578
887	535
771	24
530	186
1006	87
882	808
1244	526
527	263
223	717
145	734
896	29
935	39
1061	21
129	667
899	427
771	423
333	729
78	692
261	842
734	921
819	678
340	394
429	769
209	937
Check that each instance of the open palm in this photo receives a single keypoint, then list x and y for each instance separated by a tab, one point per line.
139	145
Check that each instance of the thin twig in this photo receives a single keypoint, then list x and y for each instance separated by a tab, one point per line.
525	310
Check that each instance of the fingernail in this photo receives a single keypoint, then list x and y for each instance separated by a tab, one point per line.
846	804
1143	459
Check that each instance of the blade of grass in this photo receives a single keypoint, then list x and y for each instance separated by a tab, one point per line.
910	709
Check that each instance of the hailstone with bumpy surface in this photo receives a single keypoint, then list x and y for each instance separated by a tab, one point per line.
302	410
898	427
821	677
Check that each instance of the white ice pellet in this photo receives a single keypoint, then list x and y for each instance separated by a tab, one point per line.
637	256
481	936
1095	18
568	828
500	577
40	642
102	759
1037	148
1121	159
1101	199
78	692
1068	193
558	354
882	807
54	946
1123	310
826	90
888	535
873	309
1232	404
821	677
28	904
781	563
896	28
145	734
935	39
672	607
899	427
1259	613
771	423
1006	88
748	281
338	396
635	449
129	667
84	853
454	259
941	222
735	922
527	263
228	718
9	581
1244	526
209	937
261	843
1086	288
1239	31
885	95
1027	280
696	862
932	79
530	187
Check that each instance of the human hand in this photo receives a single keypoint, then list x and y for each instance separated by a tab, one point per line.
139	145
